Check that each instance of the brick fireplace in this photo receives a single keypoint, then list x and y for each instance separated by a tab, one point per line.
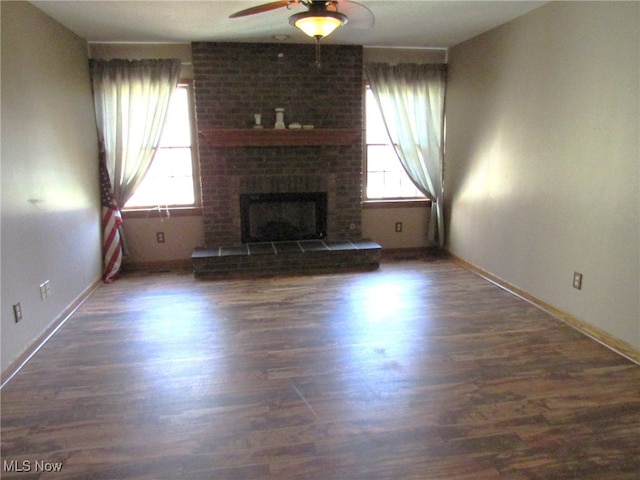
234	81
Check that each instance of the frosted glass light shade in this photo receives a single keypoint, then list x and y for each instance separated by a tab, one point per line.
318	25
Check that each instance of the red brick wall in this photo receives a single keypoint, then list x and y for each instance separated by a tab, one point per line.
232	82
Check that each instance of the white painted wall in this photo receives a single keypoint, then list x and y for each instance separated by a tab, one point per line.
50	197
542	170
379	225
182	234
395	55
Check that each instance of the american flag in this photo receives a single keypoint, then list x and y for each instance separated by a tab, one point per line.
111	221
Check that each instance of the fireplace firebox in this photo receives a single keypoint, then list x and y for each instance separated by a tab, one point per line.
274	217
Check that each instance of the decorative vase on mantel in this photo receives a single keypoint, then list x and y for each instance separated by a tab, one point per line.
280	119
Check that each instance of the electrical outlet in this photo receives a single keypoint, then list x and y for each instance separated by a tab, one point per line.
577	280
160	237
17	312
398	227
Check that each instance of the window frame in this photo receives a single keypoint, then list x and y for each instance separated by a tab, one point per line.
386	201
179	210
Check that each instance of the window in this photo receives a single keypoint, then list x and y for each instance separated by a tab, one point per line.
170	178
385	176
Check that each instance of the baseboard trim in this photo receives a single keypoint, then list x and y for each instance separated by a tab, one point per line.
412	253
15	366
182	265
619	346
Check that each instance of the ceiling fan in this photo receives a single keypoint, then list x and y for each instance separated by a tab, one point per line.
322	16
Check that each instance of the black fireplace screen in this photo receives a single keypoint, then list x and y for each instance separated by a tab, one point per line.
273	217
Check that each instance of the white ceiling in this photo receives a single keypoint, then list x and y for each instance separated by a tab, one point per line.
434	24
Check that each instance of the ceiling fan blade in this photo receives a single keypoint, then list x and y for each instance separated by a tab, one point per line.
266	7
359	15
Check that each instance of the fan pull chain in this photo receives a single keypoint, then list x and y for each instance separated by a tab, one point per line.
318	64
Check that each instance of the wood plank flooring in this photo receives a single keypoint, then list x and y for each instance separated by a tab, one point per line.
420	370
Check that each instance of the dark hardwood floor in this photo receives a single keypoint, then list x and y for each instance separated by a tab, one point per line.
420	370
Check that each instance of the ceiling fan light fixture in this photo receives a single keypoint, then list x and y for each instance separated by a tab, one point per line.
318	25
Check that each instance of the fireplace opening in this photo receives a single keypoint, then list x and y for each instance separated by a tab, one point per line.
275	217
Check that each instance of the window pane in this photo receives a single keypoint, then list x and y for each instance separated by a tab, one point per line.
375	185
171	162
376	131
381	157
176	131
169	180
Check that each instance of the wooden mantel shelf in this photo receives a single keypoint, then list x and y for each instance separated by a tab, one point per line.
270	137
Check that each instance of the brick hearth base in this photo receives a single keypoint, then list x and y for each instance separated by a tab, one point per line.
302	257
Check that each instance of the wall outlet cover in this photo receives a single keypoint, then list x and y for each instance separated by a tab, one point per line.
577	280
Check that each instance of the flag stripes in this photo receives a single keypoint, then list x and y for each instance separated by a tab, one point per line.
111	221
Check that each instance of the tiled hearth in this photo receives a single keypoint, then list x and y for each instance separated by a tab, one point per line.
299	257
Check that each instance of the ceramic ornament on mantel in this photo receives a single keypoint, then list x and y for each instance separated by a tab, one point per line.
258	118
280	119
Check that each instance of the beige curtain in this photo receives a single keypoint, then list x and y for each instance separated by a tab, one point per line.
131	100
411	99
